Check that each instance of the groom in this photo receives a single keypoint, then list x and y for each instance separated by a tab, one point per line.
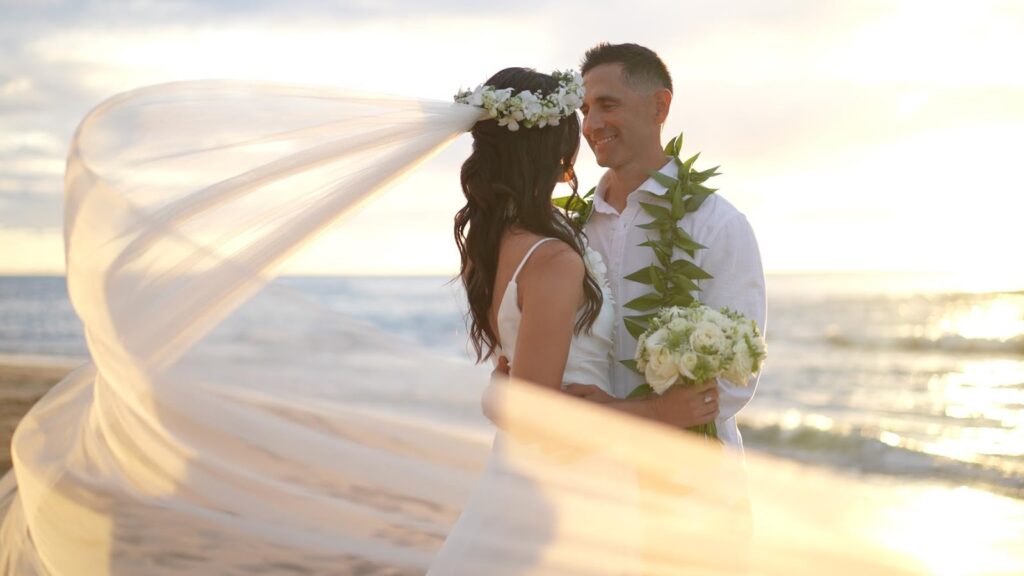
628	95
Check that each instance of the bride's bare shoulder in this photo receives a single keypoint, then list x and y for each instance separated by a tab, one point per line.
552	263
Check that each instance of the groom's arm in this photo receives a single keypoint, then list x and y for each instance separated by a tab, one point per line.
679	406
734	262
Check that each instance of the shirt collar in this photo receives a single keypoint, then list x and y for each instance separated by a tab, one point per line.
650	185
600	205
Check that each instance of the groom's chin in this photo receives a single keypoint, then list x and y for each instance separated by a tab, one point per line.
602	160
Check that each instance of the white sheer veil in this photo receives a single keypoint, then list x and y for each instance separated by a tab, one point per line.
324	446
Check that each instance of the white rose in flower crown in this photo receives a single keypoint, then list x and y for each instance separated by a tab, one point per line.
531	105
476	98
552	119
661	371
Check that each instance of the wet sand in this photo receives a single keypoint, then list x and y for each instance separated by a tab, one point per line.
21	385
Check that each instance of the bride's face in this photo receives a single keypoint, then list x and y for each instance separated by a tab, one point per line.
617	119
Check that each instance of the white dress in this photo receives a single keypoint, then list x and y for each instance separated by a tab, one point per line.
505	525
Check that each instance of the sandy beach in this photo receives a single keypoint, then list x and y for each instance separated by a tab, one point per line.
21	385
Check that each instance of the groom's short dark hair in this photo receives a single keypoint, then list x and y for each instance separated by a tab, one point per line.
641	67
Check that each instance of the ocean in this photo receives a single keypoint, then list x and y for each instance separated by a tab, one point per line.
899	377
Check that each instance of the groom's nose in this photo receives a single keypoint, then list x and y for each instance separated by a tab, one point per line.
591	122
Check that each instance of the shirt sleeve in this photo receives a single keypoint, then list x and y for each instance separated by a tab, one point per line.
733	260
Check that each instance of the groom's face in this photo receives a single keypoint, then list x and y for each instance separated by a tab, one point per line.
618	120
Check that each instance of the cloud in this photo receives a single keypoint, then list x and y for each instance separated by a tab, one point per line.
30	211
772	89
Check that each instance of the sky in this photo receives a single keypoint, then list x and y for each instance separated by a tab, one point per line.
855	136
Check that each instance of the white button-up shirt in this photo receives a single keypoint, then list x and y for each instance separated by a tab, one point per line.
732	259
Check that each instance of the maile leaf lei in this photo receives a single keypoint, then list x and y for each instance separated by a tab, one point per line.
672	282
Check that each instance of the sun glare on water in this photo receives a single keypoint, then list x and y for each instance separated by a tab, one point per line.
1001	318
958	531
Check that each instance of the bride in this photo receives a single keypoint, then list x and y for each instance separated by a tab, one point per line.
536	297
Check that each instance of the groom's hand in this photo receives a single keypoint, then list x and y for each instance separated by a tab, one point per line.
502	369
686	406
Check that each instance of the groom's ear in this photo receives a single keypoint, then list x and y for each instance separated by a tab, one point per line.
662	102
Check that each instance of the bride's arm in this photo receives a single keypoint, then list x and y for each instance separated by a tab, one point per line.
550	292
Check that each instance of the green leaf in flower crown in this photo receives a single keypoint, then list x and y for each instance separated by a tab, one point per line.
645	302
689	269
663	179
640	391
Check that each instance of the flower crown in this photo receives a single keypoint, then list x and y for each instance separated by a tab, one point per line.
528	109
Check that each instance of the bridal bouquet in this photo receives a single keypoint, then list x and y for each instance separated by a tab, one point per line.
691	344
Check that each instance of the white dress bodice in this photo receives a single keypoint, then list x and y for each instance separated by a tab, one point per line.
590	352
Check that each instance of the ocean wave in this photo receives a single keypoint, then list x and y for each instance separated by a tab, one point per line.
952	343
862	453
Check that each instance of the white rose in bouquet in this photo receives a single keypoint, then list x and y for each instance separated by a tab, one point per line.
661	371
707	338
687	365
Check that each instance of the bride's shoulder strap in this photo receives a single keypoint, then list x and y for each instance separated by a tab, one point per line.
527	256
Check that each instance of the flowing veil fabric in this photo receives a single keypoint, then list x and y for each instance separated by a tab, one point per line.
323	446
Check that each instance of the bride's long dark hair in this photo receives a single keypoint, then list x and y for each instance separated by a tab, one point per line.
508	180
